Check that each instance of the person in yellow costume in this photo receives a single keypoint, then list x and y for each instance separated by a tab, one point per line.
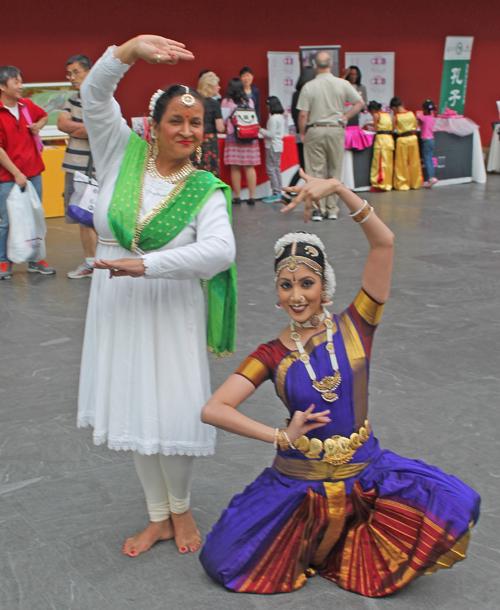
407	169
383	149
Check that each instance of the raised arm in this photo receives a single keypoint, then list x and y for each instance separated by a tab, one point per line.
107	129
221	411
378	268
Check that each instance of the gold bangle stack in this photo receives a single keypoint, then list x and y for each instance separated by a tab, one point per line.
364	212
282	441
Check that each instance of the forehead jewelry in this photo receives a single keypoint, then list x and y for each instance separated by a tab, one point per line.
187	99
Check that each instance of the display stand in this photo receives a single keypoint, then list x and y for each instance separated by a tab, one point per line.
53	177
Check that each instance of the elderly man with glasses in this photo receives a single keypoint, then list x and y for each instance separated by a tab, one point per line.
78	156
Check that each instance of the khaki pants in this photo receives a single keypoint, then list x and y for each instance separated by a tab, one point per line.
324	148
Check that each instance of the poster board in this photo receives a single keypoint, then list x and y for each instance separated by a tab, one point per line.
52	97
283	72
308	54
377	75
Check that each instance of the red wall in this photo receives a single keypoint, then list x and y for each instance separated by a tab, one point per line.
225	36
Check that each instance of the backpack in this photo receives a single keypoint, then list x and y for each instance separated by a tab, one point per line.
245	123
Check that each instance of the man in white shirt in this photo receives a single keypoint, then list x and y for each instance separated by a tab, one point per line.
322	119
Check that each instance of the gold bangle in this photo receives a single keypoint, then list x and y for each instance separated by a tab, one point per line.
365	203
283	441
363	214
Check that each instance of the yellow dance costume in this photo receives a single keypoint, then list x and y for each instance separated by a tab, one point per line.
407	169
383	154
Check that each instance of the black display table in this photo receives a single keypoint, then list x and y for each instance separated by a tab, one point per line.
453	154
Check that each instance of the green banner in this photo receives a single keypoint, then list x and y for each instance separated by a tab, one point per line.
457	54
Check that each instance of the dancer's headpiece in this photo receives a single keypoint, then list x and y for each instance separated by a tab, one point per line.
304	248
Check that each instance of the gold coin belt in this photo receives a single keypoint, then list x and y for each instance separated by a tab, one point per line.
337	449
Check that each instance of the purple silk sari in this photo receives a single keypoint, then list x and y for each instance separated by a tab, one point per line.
373	532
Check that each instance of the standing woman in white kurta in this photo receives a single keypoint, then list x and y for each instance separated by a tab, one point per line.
162	227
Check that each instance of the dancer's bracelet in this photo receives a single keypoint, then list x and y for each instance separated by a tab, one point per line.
364	212
282	441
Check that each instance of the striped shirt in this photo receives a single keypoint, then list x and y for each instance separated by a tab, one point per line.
77	153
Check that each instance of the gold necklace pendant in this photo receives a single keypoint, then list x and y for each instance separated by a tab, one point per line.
327	386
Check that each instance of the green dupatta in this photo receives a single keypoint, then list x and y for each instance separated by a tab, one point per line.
164	222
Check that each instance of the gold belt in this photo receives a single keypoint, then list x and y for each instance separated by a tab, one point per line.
337	449
315	471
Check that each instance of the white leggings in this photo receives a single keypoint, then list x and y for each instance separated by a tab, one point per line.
166	480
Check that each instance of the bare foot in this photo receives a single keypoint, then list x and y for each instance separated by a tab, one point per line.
143	541
187	536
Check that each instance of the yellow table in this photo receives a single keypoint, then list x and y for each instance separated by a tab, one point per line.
53	180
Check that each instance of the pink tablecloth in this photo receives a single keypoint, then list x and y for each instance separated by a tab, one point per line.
356	138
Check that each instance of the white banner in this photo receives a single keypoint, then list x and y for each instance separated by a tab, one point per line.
284	71
377	75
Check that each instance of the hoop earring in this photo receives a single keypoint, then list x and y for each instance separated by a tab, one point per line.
279	305
199	153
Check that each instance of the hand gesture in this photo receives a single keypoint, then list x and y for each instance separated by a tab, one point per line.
134	267
311	192
153	49
305	421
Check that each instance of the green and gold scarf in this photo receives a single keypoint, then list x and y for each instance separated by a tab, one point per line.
164	222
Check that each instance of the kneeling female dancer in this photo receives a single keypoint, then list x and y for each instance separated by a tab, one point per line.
333	502
162	227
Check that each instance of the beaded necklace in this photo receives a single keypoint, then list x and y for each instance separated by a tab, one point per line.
327	386
171	178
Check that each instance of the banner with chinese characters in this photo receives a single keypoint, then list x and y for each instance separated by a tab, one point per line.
284	71
457	52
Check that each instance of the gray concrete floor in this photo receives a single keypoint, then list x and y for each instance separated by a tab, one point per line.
66	506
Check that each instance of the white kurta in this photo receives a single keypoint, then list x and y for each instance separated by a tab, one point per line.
144	375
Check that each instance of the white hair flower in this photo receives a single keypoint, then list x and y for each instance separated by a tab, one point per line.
154	98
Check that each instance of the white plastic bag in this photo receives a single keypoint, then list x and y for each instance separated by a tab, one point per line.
27	229
83	199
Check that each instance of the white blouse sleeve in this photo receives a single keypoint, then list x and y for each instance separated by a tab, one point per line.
214	250
108	131
272	128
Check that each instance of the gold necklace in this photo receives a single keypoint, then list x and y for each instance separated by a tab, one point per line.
140	224
171	178
327	386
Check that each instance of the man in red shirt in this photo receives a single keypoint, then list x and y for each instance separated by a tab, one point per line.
20	159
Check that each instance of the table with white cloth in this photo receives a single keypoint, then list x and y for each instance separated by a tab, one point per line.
494	155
